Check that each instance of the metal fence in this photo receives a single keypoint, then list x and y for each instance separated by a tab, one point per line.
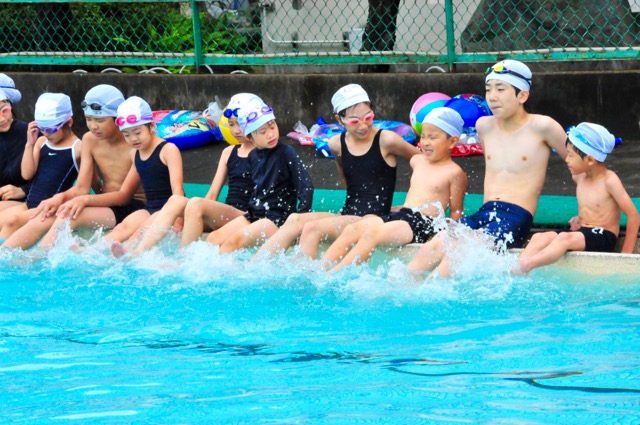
129	33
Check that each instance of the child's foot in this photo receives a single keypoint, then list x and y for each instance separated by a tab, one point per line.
522	268
74	247
117	249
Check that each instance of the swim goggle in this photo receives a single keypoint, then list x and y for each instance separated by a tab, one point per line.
131	119
501	69
95	106
229	113
367	118
255	114
51	130
5	109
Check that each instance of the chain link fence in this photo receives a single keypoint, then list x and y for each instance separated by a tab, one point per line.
166	33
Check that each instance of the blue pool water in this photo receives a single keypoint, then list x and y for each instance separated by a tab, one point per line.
199	338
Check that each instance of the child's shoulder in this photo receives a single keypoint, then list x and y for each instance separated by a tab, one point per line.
388	136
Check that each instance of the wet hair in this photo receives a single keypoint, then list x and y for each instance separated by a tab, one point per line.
581	154
343	113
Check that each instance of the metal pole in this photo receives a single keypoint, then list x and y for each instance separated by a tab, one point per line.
451	46
197	35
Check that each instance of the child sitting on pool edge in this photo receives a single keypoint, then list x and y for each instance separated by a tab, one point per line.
437	184
366	159
196	211
156	164
282	184
601	199
51	159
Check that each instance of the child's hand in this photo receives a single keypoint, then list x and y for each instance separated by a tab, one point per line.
574	223
32	133
47	208
73	207
10	192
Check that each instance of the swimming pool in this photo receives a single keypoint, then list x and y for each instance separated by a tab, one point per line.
195	337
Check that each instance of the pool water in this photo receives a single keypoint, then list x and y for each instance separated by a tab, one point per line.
199	338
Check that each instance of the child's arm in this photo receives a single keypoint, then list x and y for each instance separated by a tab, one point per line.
122	196
457	190
396	145
302	181
221	175
170	155
83	185
31	155
620	195
336	150
555	136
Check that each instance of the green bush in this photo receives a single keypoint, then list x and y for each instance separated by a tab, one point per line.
116	27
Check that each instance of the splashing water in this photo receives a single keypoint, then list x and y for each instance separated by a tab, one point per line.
193	336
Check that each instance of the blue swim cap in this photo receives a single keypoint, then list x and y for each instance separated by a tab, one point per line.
102	101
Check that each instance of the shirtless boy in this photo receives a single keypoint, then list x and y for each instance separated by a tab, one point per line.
517	146
437	184
105	153
601	199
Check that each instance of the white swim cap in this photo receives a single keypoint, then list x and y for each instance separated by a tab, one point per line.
592	139
236	102
8	90
348	96
511	71
253	115
52	109
446	119
133	112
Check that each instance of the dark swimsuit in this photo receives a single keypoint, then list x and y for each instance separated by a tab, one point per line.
597	239
155	178
11	149
370	180
281	181
508	223
240	183
421	226
57	170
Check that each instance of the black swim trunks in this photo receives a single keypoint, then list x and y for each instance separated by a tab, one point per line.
421	226
597	239
121	212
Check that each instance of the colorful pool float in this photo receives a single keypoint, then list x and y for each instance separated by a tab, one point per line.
320	137
186	129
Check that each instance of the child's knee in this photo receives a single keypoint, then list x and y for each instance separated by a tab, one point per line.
194	207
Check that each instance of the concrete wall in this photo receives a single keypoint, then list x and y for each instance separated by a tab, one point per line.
611	98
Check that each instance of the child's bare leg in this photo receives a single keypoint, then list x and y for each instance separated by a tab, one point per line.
394	233
321	230
12	219
90	218
429	255
9	204
157	229
199	211
128	227
29	234
288	233
219	236
348	238
537	243
563	242
252	235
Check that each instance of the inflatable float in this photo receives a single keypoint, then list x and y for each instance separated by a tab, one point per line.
321	134
186	129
